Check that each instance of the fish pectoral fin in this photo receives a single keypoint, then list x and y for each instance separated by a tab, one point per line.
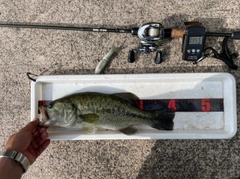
90	129
129	130
89	118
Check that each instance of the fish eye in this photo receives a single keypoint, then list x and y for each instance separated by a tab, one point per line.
50	105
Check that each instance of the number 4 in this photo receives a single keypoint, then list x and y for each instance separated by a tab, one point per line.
172	104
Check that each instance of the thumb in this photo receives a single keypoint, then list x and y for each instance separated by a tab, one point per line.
31	125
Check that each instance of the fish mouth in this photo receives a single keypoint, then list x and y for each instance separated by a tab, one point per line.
45	117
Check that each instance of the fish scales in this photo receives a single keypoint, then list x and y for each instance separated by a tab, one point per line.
113	105
96	110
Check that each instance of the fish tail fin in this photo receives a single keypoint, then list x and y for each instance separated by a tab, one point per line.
164	120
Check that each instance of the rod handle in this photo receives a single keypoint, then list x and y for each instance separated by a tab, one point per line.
177	33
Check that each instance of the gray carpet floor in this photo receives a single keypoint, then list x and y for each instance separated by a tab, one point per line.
51	52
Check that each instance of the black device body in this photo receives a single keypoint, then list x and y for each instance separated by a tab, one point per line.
193	43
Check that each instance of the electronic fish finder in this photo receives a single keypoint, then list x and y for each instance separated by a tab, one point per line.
193	41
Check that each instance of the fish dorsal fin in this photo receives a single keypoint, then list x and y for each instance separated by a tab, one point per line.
89	118
130	97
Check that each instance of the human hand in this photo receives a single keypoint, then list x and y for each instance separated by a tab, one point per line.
31	141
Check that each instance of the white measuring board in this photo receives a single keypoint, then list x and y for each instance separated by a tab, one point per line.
187	125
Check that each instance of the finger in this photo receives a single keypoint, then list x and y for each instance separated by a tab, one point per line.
38	128
34	130
31	125
39	140
42	147
38	133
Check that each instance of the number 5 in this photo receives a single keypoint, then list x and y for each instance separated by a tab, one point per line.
206	106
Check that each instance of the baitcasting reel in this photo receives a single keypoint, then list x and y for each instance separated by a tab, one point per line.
150	35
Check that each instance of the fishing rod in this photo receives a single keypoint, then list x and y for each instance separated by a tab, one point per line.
151	34
72	28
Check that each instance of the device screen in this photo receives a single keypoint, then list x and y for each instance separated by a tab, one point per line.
195	40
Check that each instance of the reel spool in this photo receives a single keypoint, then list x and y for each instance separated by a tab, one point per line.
150	35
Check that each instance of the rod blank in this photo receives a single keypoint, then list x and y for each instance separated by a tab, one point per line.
56	27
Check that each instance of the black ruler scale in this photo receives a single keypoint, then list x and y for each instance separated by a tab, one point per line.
183	105
178	105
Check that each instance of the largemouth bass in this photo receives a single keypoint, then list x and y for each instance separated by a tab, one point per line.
108	111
